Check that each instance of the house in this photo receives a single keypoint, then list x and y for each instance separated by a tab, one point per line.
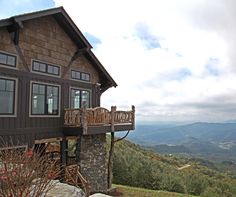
50	89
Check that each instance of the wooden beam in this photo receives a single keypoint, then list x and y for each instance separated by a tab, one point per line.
14	31
84	118
78	151
64	153
48	140
19	51
133	117
78	53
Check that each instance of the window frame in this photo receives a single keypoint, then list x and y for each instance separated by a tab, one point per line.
80	78
7	65
59	99
47	64
80	89
14	114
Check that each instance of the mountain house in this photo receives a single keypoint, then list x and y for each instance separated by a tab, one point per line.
50	89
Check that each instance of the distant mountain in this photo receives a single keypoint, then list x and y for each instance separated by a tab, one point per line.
178	135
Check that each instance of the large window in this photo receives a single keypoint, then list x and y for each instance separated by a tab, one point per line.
7	60
45	68
44	99
7	96
78	97
75	74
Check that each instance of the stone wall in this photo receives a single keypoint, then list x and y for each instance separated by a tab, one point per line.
93	163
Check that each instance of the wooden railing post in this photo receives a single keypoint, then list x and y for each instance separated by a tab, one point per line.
111	151
133	117
84	118
113	110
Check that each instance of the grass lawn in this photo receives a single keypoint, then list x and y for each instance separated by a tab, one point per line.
140	192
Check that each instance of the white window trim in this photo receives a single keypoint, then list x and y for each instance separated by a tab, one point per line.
83	81
41	73
59	100
10	67
78	88
15	99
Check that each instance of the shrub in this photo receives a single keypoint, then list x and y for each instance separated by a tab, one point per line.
26	173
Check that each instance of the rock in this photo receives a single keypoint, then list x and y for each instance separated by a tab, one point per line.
99	195
65	190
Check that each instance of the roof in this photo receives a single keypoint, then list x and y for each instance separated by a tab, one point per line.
73	32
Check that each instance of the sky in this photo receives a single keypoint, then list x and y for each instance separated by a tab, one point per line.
173	60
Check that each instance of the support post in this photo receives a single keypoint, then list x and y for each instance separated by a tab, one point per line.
111	152
133	117
64	151
78	150
84	118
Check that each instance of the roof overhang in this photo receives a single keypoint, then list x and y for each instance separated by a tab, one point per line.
73	32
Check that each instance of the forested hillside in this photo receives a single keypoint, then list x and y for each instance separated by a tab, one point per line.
138	167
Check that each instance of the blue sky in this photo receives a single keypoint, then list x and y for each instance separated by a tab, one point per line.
13	7
173	60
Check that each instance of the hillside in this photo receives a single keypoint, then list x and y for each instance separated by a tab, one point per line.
135	166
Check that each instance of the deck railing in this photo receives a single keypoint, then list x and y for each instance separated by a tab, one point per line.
84	117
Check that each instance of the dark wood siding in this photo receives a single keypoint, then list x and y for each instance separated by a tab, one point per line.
31	128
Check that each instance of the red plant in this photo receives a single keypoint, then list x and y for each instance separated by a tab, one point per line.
24	174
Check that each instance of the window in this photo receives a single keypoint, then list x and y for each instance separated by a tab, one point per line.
80	75
7	96
77	97
7	60
44	99
45	68
85	77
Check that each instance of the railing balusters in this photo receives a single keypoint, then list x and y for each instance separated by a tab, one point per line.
97	116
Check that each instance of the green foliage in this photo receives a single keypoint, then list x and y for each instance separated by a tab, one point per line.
135	166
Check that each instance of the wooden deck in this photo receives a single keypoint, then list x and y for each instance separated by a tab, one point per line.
97	120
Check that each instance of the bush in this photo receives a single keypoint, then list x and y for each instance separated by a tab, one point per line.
26	173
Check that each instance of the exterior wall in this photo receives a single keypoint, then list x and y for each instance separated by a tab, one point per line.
42	39
93	161
5	42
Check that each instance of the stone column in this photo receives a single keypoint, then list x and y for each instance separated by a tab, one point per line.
92	160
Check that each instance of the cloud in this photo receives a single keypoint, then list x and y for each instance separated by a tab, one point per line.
174	60
217	16
149	40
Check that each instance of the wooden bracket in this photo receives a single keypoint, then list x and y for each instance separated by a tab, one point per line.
14	31
78	53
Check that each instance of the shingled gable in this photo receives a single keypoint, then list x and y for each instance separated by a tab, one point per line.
73	32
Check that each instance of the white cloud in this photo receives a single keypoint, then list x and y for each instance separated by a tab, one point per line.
180	80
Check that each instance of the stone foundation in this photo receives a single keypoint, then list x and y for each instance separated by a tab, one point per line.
93	163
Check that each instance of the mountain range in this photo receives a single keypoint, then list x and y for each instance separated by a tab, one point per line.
214	141
177	135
